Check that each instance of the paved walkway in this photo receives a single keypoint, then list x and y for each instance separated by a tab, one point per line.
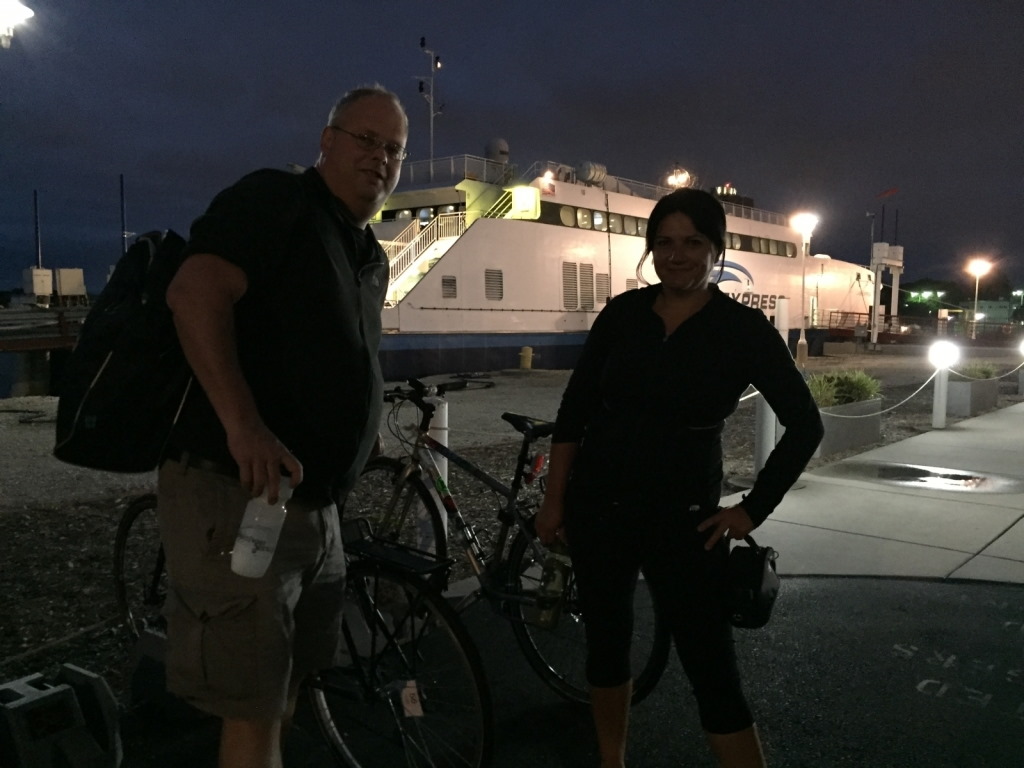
898	639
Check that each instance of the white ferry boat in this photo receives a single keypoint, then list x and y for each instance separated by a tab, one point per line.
486	261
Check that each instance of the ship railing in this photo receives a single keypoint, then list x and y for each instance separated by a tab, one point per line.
445	225
755	214
399	243
452	170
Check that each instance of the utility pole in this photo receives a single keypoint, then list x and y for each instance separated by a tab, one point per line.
427	89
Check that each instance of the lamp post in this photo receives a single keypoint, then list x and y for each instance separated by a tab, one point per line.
804	223
978	268
12	13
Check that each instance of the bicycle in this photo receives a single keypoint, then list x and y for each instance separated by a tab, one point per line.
395	496
140	576
410	688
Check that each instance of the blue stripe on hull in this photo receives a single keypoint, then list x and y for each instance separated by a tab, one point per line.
405	355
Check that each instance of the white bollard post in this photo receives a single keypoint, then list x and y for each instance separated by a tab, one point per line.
438	430
764	433
940	397
941	354
765	423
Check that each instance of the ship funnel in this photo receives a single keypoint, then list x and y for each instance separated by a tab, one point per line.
497	150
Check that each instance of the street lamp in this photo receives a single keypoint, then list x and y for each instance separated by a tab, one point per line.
979	268
1021	294
804	223
12	13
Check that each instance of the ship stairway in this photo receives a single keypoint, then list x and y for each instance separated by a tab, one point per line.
413	258
501	207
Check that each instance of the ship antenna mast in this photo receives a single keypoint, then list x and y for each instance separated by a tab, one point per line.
427	89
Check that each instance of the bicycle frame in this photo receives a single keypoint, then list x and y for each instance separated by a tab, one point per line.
484	565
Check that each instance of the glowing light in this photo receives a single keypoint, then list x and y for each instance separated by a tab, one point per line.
12	13
679	177
943	354
804	223
979	267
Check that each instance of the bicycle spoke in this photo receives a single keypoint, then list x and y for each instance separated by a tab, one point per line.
412	692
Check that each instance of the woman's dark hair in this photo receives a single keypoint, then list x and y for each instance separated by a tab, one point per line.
705	212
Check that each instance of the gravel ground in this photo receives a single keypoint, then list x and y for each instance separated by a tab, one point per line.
57	522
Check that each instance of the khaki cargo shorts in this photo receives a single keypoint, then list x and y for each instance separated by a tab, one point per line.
236	645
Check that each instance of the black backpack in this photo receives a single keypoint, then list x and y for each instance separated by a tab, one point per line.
122	388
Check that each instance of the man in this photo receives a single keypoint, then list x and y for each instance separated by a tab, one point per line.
277	306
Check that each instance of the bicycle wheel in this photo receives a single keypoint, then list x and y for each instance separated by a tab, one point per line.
559	654
412	690
140	575
401	511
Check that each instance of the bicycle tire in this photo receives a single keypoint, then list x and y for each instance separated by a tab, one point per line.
140	572
402	511
558	655
402	636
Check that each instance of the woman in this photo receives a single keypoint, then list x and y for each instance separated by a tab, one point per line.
636	470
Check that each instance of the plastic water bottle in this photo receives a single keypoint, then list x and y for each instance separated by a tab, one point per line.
258	534
553	578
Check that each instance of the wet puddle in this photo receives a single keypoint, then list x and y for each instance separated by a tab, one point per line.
928	478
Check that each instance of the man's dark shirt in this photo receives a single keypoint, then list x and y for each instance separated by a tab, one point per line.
648	409
308	327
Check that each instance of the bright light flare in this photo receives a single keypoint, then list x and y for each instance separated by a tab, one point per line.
979	267
12	13
943	354
804	223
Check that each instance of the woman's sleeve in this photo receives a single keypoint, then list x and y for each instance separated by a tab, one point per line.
583	394
775	375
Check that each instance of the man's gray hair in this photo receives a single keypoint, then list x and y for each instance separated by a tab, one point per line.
361	92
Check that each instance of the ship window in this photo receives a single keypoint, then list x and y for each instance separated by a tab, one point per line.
448	287
600	223
405	213
583	218
641	227
632	284
629	225
764	245
773	247
567	215
447	209
494	286
734	238
603	285
615	223
755	245
790	250
570	285
586	286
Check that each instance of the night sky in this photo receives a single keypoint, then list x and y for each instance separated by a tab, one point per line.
799	104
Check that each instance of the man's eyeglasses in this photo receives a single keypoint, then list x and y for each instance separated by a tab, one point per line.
370	143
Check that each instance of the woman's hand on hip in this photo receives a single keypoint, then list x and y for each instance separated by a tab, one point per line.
732	522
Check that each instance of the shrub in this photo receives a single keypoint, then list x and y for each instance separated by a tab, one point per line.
977	370
841	387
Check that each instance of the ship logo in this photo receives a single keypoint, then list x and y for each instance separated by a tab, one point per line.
732	272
